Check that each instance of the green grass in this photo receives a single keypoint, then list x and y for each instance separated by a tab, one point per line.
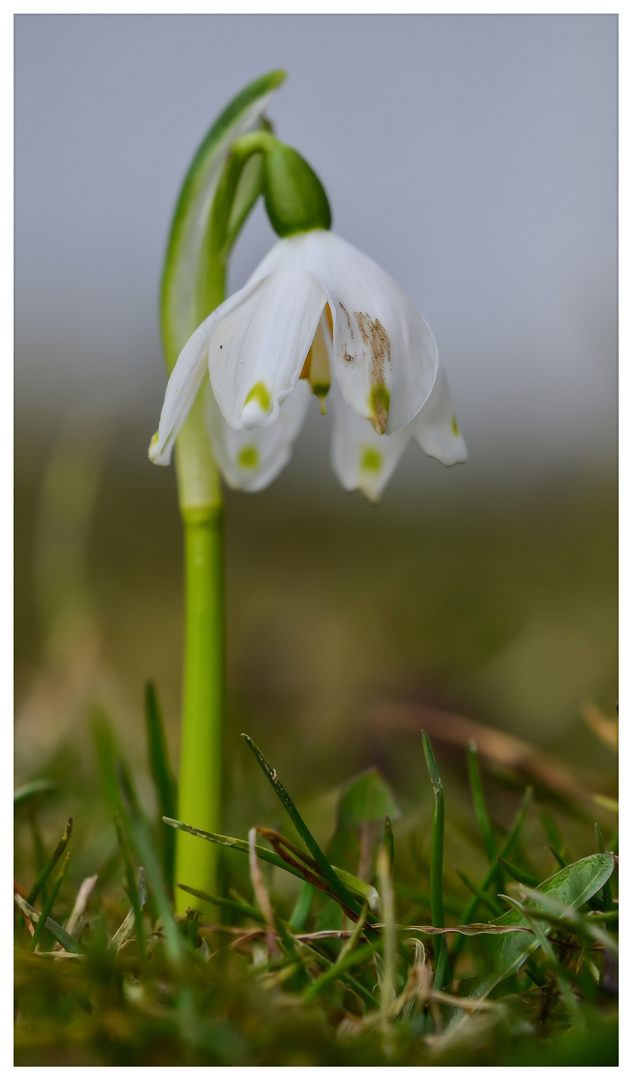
488	622
369	978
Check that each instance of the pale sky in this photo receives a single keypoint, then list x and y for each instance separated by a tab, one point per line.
474	157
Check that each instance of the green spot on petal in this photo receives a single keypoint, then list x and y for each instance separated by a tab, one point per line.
153	446
259	393
455	427
248	457
371	460
380	401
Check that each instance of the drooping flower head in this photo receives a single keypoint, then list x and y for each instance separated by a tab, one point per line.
316	312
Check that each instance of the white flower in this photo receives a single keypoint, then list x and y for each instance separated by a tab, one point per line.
315	309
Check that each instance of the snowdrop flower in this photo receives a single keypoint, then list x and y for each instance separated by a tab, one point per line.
315	310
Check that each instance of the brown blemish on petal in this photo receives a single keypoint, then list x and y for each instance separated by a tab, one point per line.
377	341
378	345
347	357
346	314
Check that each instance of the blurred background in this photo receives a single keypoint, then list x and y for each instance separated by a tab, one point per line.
475	158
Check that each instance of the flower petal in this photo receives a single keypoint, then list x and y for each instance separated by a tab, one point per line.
436	429
361	458
250	460
185	381
384	354
257	348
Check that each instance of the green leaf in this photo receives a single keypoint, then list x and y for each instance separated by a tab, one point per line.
181	309
572	887
364	804
366	800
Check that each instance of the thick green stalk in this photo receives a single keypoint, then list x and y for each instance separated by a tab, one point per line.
201	749
201	745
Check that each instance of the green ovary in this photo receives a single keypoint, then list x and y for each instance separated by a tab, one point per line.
259	393
371	460
248	457
455	426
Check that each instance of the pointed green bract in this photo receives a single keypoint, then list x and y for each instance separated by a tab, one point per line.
182	308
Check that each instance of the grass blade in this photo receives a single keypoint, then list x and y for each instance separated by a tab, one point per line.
489	902
436	864
50	865
164	781
324	866
389	841
606	892
389	935
30	790
480	809
121	795
133	892
126	928
559	858
362	891
303	906
506	847
65	940
234	906
518	875
48	907
365	952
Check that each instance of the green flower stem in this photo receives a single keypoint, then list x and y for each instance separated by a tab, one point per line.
199	798
213	204
201	746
